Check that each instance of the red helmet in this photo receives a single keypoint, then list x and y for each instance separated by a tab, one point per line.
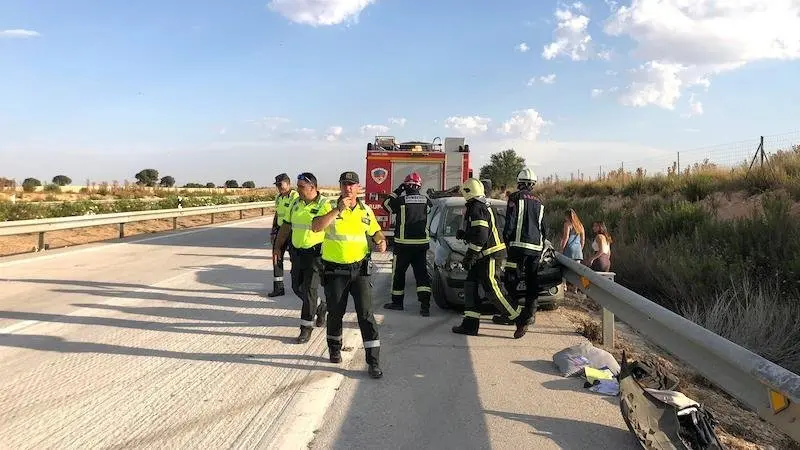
413	178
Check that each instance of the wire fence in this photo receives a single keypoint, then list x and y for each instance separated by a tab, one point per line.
741	154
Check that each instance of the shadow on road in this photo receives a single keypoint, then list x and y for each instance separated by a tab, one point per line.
428	397
568	433
216	237
574	384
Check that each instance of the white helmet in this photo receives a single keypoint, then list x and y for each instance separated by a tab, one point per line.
526	175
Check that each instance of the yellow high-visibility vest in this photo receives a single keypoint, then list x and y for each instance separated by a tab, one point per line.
301	214
282	205
346	238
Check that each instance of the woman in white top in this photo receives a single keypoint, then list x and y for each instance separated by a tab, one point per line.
601	260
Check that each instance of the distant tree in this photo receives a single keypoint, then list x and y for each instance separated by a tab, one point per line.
192	185
62	180
167	181
249	185
231	184
210	185
30	184
147	177
503	168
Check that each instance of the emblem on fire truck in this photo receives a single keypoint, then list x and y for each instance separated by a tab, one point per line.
379	174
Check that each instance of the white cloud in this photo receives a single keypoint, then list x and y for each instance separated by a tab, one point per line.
526	124
270	123
686	43
596	92
571	36
548	79
334	133
320	12
19	33
523	47
695	108
401	121
468	124
374	130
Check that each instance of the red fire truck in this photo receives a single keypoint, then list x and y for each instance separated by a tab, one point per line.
441	165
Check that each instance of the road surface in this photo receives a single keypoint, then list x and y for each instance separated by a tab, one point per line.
169	341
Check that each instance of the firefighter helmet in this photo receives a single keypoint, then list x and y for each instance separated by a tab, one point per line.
526	175
472	188
414	179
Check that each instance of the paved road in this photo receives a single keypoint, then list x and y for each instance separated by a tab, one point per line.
169	341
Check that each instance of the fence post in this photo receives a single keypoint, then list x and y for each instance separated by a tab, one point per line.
608	319
212	218
175	223
41	240
121	230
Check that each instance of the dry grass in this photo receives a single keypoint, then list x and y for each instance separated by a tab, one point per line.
739	428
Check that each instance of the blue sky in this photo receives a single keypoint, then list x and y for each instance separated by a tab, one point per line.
211	90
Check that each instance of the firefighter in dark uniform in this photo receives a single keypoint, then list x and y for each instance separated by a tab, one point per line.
485	250
347	266
524	234
306	252
411	241
286	196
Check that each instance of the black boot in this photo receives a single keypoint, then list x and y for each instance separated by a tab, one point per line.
322	310
375	371
335	355
373	358
502	319
526	318
305	335
394	306
425	308
469	326
277	289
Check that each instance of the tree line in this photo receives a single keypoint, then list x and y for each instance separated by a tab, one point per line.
145	177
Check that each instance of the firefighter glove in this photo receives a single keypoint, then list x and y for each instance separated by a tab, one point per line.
469	261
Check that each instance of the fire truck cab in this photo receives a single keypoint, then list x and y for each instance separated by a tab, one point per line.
442	165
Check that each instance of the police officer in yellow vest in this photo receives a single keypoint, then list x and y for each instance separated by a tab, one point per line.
307	250
286	196
347	266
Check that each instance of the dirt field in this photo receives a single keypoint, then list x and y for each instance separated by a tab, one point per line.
25	243
739	429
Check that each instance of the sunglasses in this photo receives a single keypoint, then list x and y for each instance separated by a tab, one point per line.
303	177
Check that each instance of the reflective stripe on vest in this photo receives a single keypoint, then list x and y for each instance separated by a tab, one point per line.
401	238
283	204
346	238
517	242
302	216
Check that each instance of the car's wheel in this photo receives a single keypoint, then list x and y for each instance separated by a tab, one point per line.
437	290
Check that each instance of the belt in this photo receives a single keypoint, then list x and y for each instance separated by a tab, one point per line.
315	249
341	269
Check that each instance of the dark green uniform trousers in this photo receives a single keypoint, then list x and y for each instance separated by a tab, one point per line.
341	281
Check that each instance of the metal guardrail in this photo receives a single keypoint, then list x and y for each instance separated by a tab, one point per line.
42	226
772	391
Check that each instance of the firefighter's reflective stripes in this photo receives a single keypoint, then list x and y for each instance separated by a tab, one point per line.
474	247
278	279
334	338
423	289
510	265
512	312
517	242
306	323
472	314
401	237
479	223
387	203
372	344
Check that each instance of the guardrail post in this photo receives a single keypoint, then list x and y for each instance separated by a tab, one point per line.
212	218
263	210
608	319
121	230
41	241
241	214
175	223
